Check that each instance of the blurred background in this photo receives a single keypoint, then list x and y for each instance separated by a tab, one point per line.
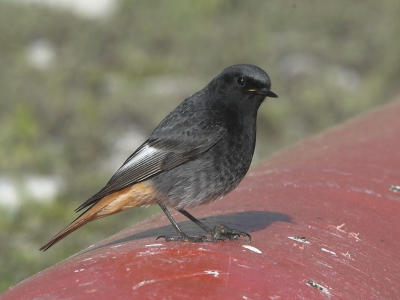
83	82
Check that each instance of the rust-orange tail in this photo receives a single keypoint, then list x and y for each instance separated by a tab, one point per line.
136	195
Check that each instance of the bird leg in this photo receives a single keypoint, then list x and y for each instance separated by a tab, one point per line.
181	235
196	221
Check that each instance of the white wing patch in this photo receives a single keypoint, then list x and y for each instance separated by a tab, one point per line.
142	155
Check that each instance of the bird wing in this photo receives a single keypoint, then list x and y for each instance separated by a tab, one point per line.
159	154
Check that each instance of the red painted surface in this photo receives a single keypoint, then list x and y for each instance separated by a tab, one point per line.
333	190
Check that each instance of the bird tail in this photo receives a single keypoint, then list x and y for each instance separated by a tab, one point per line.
78	222
137	195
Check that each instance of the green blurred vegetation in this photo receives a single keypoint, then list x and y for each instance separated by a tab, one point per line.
327	61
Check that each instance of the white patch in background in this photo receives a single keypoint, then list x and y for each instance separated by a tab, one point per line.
43	189
9	197
346	78
41	54
85	8
297	64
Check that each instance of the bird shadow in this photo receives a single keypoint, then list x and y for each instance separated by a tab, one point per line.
248	221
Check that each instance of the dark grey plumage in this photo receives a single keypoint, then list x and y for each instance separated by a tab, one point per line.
204	147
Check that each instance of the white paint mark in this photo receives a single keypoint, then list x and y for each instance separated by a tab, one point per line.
337	235
316	285
244	297
114	257
355	235
147	252
336	171
347	255
142	283
324	264
244	266
395	188
289	183
211	272
87	259
339	227
153	245
365	191
328	251
86	283
251	248
117	246
299	239
80	270
127	269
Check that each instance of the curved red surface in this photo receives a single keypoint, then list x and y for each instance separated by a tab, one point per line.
324	219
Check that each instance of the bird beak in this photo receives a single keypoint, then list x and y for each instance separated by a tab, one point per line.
264	92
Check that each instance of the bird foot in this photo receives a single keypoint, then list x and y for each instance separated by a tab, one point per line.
222	232
186	238
218	233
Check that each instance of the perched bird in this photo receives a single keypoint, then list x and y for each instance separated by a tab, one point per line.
198	153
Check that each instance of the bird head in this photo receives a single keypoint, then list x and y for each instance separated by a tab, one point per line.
243	82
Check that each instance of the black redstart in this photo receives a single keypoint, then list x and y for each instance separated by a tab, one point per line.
198	153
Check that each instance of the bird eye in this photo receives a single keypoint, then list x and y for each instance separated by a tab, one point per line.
241	81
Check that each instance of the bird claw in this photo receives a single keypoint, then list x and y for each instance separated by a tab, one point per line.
222	232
